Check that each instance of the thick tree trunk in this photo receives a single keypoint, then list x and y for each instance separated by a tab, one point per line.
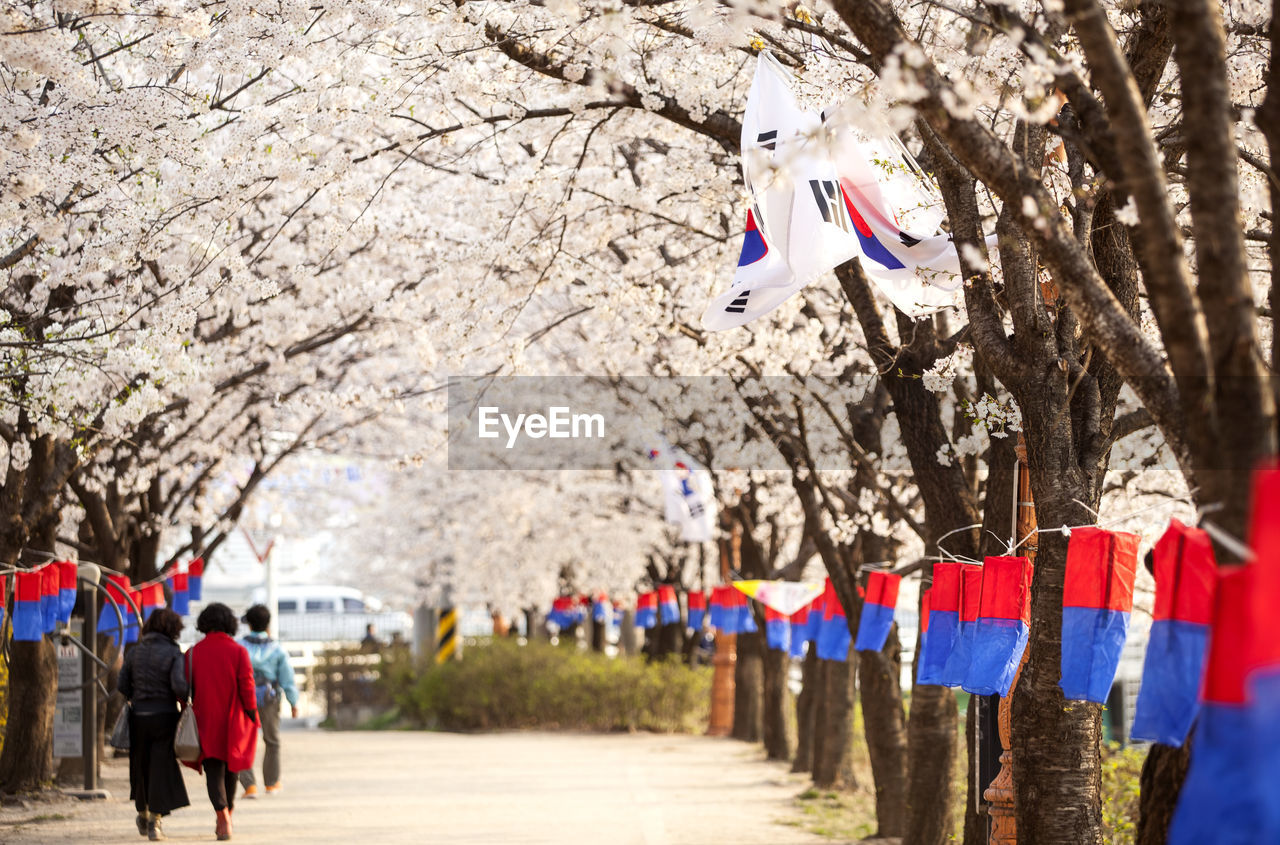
26	764
833	726
885	724
975	823
806	707
1162	775
748	690
777	745
670	639
598	632
627	633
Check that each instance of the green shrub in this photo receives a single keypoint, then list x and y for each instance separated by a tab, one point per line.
502	685
1121	772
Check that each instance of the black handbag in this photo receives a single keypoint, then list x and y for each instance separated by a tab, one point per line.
120	733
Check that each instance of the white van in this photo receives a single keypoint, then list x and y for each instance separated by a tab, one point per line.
329	613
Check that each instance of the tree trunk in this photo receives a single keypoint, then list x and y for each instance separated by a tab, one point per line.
776	743
833	726
26	764
748	690
598	632
884	722
806	707
1163	772
627	633
975	823
670	639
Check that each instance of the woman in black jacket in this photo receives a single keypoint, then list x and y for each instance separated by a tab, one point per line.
153	681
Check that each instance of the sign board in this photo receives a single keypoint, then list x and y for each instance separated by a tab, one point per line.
68	714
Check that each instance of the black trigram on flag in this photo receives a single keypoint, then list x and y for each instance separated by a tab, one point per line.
739	304
830	202
768	140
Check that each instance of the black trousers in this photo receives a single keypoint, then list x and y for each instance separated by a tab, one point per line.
155	779
221	783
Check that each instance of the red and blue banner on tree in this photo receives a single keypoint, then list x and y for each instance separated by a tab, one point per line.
115	614
4	597
50	588
1000	632
1223	798
746	619
777	630
195	579
67	573
1097	598
697	601
833	636
180	582
565	612
647	610
132	621
925	601
943	621
1173	670
28	617
602	610
668	605
799	634
717	610
1262	686
877	611
957	665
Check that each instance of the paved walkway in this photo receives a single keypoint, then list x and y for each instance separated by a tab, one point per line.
376	787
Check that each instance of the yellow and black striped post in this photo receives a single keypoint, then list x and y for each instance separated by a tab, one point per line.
447	635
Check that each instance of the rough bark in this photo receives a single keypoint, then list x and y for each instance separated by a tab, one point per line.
975	823
1163	772
26	763
806	706
748	690
884	721
833	726
777	744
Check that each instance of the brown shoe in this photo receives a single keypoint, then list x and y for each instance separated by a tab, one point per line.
223	826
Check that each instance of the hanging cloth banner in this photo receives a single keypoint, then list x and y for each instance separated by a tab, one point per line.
4	597
1263	682
180	583
697	601
943	622
195	579
717	610
668	605
746	619
564	612
833	636
925	602
877	611
28	616
1173	669
602	610
647	610
152	598
800	629
115	616
817	611
67	573
786	597
1097	598
131	622
1004	620
1224	798
50	588
957	665
777	630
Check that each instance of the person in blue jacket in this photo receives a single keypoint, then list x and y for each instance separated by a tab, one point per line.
272	676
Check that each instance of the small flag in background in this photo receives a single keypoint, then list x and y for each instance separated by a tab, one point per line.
1173	669
786	597
668	605
50	589
943	622
833	636
1097	598
152	598
181	584
877	611
777	630
957	665
195	579
697	601
1004	620
67	573
647	610
28	617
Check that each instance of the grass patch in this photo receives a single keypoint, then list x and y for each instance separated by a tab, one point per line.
503	685
847	816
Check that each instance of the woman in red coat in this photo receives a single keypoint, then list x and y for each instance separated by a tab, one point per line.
226	708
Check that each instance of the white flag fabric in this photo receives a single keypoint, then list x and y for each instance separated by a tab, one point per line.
688	492
823	193
786	597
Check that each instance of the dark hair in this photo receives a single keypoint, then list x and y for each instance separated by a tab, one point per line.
217	617
163	621
257	618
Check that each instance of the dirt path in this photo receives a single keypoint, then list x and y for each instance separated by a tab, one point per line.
367	787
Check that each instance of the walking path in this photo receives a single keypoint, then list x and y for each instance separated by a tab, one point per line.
376	787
